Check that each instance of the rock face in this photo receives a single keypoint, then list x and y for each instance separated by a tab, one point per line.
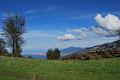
107	50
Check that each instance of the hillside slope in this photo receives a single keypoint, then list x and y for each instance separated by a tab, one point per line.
107	50
33	69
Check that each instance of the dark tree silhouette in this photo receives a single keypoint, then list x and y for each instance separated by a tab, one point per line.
14	28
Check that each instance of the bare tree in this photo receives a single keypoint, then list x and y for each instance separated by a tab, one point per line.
14	28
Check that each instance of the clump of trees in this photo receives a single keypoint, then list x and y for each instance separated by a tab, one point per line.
13	30
53	54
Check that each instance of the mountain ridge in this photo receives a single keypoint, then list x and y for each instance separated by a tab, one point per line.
70	50
106	50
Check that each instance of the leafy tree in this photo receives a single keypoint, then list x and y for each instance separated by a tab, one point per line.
3	50
49	52
14	28
53	54
56	53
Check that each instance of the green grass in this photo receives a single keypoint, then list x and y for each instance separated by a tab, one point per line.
32	69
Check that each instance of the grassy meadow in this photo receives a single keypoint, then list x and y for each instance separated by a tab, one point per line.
34	69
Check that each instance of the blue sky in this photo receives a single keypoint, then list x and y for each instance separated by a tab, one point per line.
46	20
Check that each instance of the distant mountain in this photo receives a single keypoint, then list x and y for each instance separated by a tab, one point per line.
37	56
107	50
70	50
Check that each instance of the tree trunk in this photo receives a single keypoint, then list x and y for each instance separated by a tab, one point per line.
13	51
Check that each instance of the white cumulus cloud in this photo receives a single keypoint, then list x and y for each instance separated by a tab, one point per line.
103	32
80	33
66	37
108	22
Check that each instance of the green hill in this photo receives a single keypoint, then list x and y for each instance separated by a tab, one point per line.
33	69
